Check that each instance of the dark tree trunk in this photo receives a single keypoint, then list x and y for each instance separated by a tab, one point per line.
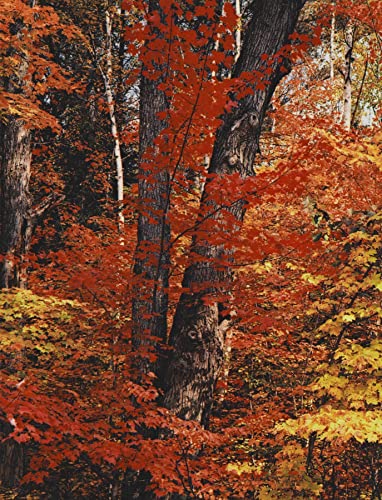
197	335
15	231
12	458
151	270
15	158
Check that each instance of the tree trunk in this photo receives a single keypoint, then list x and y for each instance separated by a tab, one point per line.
238	29
108	81
12	458
151	270
15	235
197	335
349	43
15	231
332	56
332	44
15	159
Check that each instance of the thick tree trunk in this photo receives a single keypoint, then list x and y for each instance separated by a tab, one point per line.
197	335
15	233
15	158
151	270
12	458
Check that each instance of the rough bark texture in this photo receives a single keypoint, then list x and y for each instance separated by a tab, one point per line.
15	231
15	157
12	458
151	268
197	335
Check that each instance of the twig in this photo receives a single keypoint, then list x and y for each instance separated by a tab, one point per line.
360	92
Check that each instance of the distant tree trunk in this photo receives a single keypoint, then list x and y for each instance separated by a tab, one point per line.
108	81
198	331
347	107
332	58
15	159
238	29
332	44
151	270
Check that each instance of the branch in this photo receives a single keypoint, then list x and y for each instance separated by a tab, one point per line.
360	92
46	204
349	305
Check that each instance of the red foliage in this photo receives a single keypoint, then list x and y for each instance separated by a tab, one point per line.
69	384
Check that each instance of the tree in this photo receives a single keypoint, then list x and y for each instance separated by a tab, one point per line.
279	248
347	106
15	169
197	337
15	200
25	78
150	302
111	84
24	69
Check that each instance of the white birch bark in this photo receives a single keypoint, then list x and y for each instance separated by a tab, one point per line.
108	79
332	44
349	42
238	30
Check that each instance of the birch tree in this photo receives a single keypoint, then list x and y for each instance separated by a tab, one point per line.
107	76
347	75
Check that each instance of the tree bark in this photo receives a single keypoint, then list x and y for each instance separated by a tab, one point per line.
108	81
152	261
12	458
15	162
349	43
15	159
332	44
332	56
197	335
238	29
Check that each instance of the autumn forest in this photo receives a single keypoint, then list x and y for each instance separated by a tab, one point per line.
190	249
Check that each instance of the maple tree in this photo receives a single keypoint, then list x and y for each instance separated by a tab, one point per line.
170	346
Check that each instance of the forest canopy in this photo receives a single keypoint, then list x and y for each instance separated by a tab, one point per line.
190	249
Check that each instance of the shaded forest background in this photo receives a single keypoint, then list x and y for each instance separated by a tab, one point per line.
154	344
